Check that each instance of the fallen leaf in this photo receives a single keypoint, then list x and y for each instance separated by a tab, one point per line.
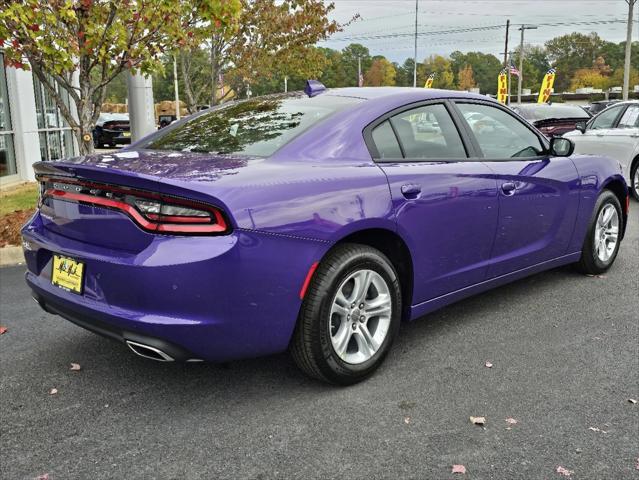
637	466
3	330
632	400
564	471
406	420
458	469
512	421
597	429
488	364
44	476
478	420
53	391
75	366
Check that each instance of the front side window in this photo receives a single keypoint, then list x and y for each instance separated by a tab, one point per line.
256	127
606	119
630	118
428	132
499	134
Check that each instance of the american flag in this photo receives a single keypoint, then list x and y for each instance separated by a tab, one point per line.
514	70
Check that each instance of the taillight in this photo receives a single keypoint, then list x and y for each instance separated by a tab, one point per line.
152	211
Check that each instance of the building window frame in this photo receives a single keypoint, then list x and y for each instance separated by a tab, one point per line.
7	132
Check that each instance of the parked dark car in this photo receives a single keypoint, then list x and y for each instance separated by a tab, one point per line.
552	120
112	129
596	107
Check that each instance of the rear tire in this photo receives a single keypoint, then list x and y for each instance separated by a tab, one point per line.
349	317
634	180
604	235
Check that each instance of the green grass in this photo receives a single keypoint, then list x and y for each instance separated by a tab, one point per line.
18	198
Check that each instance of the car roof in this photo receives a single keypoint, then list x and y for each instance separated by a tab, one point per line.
370	93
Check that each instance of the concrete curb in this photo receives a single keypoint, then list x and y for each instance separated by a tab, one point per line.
11	256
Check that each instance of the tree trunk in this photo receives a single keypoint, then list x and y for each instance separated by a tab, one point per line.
215	71
185	67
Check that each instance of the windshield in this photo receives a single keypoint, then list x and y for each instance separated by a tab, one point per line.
543	112
256	127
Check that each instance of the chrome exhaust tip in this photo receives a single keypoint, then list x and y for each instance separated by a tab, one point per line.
149	352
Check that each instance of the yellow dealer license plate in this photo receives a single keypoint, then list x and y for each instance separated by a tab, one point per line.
67	273
126	134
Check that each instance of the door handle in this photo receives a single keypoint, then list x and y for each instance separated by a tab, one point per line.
411	191
508	188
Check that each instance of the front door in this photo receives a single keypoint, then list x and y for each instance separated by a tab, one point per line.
538	194
445	204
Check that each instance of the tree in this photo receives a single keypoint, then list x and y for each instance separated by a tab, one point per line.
381	73
350	54
571	52
195	68
442	68
273	36
589	77
485	67
98	40
466	78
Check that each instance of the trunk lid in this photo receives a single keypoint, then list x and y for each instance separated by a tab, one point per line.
172	174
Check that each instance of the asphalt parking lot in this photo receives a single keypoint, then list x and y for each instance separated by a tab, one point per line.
565	355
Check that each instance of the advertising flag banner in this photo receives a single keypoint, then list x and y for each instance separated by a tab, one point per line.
502	86
546	86
429	81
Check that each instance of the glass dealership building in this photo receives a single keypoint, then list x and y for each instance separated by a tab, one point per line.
31	126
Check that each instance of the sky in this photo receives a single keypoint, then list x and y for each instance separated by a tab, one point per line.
437	18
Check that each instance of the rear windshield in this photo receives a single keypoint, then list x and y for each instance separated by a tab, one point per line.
543	112
256	127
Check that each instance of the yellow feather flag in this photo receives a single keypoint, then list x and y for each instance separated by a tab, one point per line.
546	86
502	87
429	81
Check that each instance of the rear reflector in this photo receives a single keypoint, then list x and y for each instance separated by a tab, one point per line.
307	280
152	211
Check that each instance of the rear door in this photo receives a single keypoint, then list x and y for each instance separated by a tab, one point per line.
538	194
445	204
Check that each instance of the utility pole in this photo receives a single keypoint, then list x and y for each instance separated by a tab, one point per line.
626	66
523	28
285	84
415	57
175	86
506	46
359	71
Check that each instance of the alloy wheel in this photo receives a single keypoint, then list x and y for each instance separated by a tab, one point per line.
606	232
360	316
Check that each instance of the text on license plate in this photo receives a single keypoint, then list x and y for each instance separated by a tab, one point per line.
67	273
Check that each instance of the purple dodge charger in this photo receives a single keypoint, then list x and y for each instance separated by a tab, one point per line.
313	222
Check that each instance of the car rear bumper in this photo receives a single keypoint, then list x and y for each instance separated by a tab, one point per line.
211	298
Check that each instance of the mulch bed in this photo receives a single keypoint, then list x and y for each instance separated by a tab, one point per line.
10	226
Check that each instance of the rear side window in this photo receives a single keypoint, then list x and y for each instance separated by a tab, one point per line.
255	127
499	134
630	118
428	132
386	142
606	119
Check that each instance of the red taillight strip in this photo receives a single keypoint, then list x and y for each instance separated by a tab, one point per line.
177	218
220	226
307	280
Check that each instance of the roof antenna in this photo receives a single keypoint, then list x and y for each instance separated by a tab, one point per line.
314	87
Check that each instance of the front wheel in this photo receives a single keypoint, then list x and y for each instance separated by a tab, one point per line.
634	177
349	317
603	238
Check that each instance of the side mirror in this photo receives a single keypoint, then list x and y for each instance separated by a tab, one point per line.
561	147
581	126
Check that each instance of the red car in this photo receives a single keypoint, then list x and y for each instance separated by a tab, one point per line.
553	120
